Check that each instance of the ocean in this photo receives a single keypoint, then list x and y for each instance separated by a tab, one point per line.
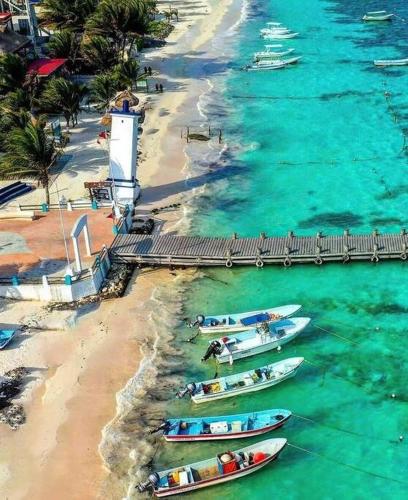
320	146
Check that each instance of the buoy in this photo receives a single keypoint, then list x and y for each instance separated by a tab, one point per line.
259	456
377	328
401	438
393	395
279	348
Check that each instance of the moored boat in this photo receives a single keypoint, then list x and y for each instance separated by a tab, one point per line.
5	337
270	64
224	467
271	54
391	62
243	321
223	427
242	383
267	31
277	36
378	15
256	341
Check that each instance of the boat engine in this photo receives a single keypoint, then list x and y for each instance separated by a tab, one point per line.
165	426
213	349
189	389
199	321
152	482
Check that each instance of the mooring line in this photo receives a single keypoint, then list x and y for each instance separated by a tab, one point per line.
346	431
350	466
338	336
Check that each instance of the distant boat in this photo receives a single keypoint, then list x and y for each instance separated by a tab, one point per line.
243	321
223	427
391	62
267	31
5	337
241	383
277	36
271	54
270	64
378	15
256	341
224	467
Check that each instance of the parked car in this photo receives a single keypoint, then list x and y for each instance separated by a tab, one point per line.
142	225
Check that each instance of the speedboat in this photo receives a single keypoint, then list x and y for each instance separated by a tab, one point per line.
241	383
224	467
266	31
243	321
377	15
257	341
271	54
223	427
391	62
269	64
278	36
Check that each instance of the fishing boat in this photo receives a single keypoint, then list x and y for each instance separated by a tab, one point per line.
224	467
391	62
378	15
223	427
257	341
5	337
241	383
277	36
271	54
243	321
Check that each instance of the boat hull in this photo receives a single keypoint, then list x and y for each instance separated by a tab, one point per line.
387	17
6	337
396	62
198	399
212	482
231	435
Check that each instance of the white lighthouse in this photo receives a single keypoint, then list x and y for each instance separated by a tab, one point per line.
123	155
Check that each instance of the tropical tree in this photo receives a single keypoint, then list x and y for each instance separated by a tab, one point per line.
122	21
103	89
66	14
65	44
65	97
126	73
13	71
29	154
98	52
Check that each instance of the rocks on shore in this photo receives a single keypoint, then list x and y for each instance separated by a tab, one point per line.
11	384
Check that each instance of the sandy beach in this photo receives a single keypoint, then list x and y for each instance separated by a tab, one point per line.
79	364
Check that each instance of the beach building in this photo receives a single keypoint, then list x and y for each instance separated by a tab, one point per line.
10	41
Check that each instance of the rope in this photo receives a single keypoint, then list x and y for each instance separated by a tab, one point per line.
325	370
353	467
346	431
338	336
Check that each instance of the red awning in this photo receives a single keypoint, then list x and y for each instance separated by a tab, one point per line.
45	67
4	17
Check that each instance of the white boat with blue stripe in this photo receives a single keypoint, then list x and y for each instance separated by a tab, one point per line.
257	341
240	322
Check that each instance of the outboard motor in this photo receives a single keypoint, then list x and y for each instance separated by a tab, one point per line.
199	321
151	483
165	426
214	348
189	389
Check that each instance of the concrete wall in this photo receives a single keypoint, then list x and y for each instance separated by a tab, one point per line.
59	292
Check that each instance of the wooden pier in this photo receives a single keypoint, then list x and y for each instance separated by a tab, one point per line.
166	250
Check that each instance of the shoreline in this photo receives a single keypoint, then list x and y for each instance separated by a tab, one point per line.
79	391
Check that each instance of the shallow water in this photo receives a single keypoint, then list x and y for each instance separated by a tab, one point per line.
317	147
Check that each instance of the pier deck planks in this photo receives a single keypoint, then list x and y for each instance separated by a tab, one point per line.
283	250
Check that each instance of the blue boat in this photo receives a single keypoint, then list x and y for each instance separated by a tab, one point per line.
223	427
5	337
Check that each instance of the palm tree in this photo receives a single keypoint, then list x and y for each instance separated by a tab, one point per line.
98	52
30	154
13	71
122	21
72	14
65	97
103	89
126	73
65	44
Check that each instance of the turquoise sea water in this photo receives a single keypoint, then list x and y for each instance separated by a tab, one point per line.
321	149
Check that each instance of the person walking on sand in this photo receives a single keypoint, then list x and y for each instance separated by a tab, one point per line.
149	70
